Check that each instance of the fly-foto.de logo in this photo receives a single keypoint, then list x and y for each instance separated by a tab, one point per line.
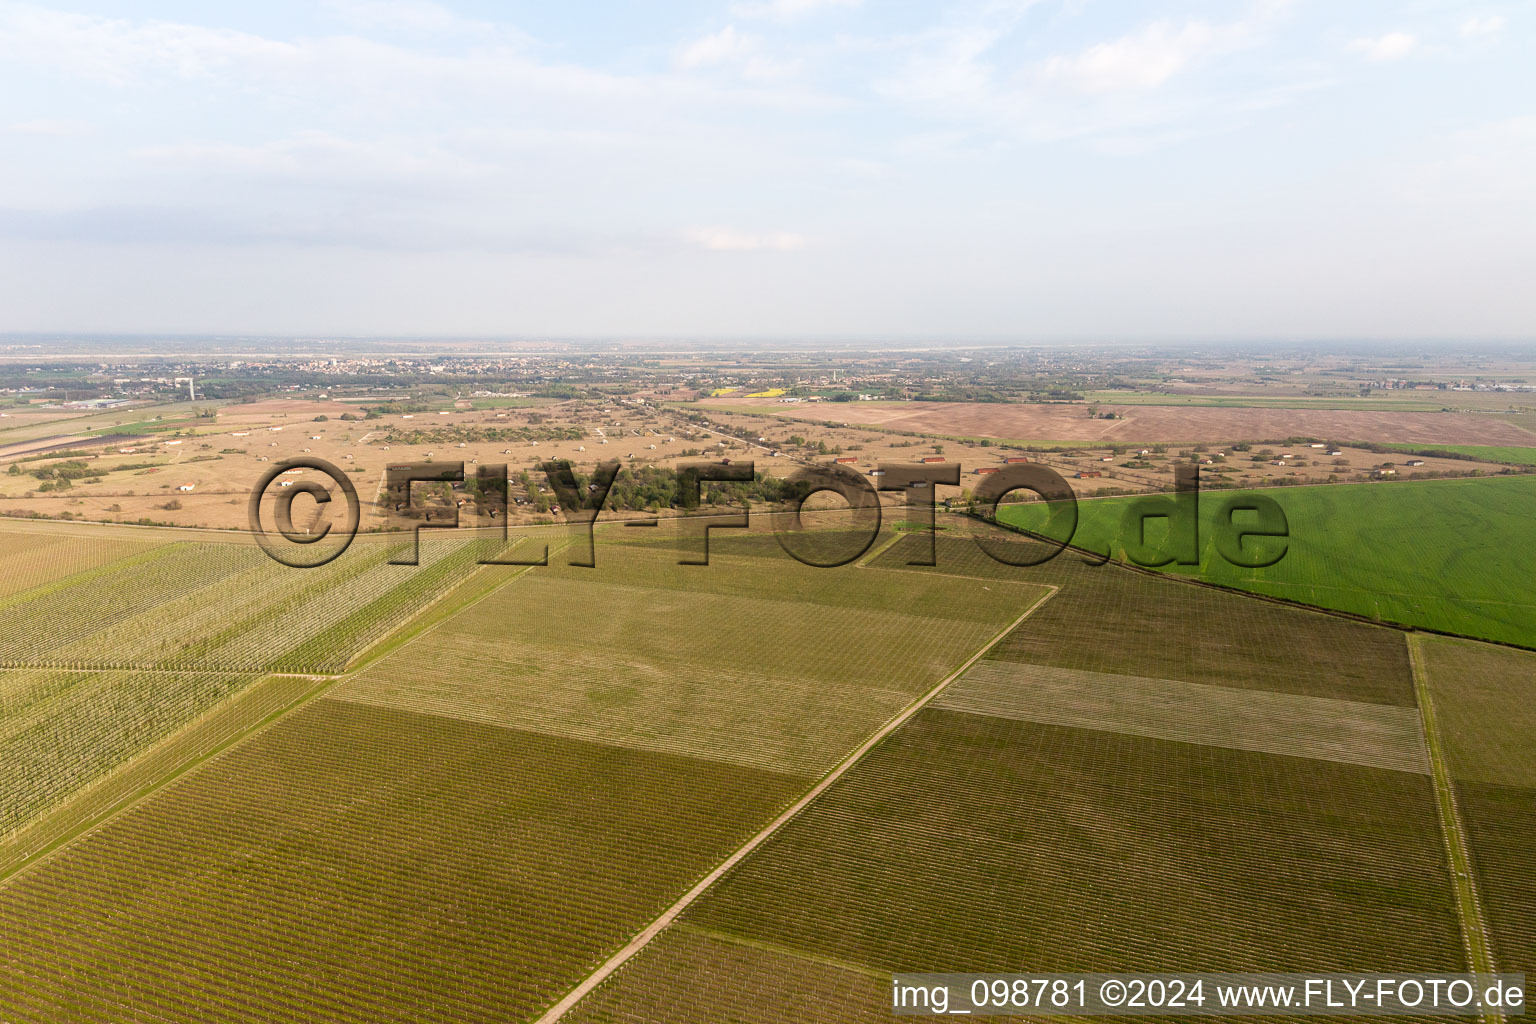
1248	530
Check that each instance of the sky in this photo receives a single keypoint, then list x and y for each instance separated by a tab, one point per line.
1000	170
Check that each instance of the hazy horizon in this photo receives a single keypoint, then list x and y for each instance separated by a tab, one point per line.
988	173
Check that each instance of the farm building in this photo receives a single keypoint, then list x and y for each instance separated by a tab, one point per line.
1414	462
186	487
929	459
987	470
1014	460
1086	473
846	460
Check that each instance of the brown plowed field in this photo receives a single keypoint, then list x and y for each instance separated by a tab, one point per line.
1155	423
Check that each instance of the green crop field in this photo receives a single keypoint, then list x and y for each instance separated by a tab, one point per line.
1109	619
367	864
102	788
61	730
532	764
1257	797
1451	555
466	826
692	975
1375	735
1488	453
1004	846
777	656
1000	835
110	421
30	559
1385	403
223	607
1485	700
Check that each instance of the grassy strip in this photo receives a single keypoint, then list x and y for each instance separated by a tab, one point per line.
1473	928
879	549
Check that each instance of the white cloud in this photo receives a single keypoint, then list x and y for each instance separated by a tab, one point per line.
1146	59
718	48
116	51
1491	166
47	126
1391	46
720	239
787	10
321	158
317	69
1493	24
730	48
417	16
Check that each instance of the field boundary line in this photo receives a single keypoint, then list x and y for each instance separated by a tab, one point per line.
729	938
879	549
401	635
1287	602
323	685
1474	929
644	937
138	796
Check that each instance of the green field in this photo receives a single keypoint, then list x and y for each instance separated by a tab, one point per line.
1257	797
529	765
1485	700
1451	555
1386	403
29	559
1488	453
60	730
998	836
1111	620
468	825
1238	717
699	977
975	842
110	421
365	864
109	784
223	607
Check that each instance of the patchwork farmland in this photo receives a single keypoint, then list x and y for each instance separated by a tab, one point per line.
459	794
1482	701
1228	808
223	607
1449	555
531	779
